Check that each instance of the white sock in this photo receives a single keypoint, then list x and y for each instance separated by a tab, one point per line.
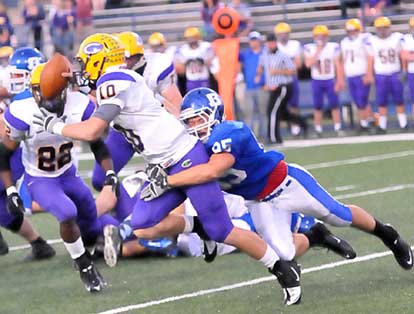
382	122
189	223
364	123
402	119
337	127
318	128
270	257
75	249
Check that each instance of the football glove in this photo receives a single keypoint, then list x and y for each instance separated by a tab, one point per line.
155	189
14	202
112	180
49	122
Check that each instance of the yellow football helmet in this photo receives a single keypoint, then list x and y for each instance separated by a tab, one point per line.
132	42
353	25
96	54
156	39
320	30
382	21
35	81
411	22
192	32
282	27
6	51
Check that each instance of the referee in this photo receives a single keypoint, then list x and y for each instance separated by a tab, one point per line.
279	71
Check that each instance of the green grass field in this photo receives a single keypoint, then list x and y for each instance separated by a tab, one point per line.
373	286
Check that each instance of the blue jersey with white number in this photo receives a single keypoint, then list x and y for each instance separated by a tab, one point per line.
253	164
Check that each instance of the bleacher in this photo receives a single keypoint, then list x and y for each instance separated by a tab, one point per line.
147	16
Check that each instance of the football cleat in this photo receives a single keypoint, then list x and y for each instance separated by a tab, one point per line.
4	248
209	250
326	239
401	250
112	247
92	279
288	275
40	250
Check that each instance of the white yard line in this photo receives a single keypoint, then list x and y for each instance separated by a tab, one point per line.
242	284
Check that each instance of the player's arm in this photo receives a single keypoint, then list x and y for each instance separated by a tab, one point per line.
311	59
172	96
210	171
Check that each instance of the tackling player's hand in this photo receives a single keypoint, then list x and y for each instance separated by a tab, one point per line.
112	180
14	202
49	122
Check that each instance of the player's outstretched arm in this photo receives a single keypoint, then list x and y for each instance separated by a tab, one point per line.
213	170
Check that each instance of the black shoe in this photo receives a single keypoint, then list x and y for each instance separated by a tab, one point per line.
4	248
326	239
209	250
401	250
91	278
40	250
112	247
364	130
288	275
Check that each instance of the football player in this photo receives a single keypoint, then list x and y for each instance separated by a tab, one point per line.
196	60
18	69
159	74
124	98
355	58
384	63
324	60
264	178
52	179
407	56
158	43
293	49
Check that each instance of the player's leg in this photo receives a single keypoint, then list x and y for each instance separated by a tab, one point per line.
121	152
18	224
356	89
64	210
262	100
306	195
333	101
397	91
381	97
317	96
410	81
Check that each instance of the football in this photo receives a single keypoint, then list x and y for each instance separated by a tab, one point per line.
51	80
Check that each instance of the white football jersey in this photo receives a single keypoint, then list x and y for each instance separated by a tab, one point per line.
324	68
195	61
355	55
154	133
408	45
386	53
45	154
292	48
159	71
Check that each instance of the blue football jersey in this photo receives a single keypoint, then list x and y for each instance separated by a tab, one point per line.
253	164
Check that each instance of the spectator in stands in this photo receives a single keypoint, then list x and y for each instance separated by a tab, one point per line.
196	61
279	71
33	13
6	29
83	19
158	43
246	22
63	26
98	4
374	8
208	8
324	60
254	106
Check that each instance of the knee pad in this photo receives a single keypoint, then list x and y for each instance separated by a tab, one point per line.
16	223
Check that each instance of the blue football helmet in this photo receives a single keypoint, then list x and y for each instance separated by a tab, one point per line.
21	63
206	105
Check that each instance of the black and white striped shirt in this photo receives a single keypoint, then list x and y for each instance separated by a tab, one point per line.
276	61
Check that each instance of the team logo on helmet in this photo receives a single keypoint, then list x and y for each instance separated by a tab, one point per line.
92	48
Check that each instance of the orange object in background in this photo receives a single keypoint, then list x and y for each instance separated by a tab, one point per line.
226	22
